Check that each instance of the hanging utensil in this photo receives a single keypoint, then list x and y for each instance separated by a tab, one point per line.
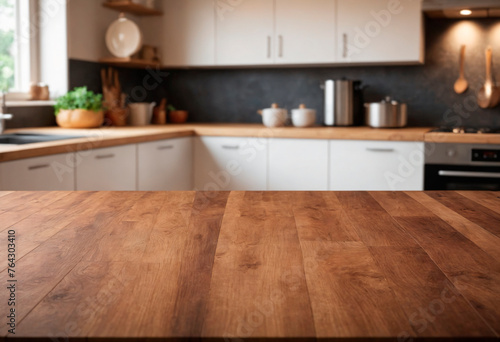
489	95
461	84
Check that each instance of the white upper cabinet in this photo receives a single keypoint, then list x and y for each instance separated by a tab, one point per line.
379	31
203	33
244	32
305	31
186	32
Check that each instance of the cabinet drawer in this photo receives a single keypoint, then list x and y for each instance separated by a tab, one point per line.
107	169
376	165
166	165
230	163
298	165
50	173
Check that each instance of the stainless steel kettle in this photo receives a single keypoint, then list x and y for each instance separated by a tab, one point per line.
343	103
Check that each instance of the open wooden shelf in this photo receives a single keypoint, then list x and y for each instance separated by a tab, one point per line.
131	63
132	8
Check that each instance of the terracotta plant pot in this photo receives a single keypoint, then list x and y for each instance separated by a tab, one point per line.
178	116
80	118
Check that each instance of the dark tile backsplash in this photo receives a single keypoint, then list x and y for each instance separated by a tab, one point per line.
234	95
31	117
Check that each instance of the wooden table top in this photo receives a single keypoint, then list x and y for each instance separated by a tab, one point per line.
253	265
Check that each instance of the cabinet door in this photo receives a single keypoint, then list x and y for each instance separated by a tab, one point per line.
305	31
298	164
378	31
185	33
50	173
107	169
376	165
165	165
244	32
230	164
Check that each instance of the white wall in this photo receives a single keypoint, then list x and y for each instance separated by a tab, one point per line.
53	52
88	21
185	33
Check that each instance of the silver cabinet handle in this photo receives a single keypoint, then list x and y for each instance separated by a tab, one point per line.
166	147
268	46
281	46
345	51
37	167
469	174
6	116
373	149
105	156
230	147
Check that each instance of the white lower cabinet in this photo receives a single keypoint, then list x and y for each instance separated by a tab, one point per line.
376	165
50	173
165	165
107	169
229	163
225	164
298	165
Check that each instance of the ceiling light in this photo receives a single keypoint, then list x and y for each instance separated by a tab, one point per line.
465	12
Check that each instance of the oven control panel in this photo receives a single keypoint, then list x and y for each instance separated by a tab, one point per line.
486	155
462	154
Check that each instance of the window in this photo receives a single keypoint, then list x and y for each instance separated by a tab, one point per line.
18	67
7	46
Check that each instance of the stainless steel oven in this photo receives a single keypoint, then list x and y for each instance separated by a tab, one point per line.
462	167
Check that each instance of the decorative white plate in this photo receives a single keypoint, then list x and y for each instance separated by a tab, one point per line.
123	38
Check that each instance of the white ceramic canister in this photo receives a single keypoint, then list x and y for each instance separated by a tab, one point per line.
141	114
303	117
274	116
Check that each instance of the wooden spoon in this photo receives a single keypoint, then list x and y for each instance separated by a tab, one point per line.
495	96
461	84
489	95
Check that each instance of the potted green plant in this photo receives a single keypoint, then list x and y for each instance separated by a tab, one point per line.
177	116
79	108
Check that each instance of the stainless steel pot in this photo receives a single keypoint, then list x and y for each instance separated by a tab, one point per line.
386	114
343	103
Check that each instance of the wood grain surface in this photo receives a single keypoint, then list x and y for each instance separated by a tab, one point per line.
115	136
462	138
256	266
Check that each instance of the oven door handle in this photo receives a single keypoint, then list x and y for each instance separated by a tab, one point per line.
469	174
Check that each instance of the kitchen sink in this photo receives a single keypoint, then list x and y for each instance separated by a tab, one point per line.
26	138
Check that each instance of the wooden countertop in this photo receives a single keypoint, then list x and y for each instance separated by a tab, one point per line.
255	265
106	137
462	138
